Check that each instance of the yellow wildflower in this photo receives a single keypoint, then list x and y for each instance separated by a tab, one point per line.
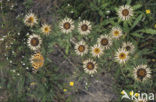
64	90
33	83
148	11
155	26
71	83
131	93
122	92
136	94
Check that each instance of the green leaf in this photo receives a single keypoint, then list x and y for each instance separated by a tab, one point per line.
67	49
129	2
138	19
103	6
148	31
101	13
137	35
125	28
116	9
99	1
137	6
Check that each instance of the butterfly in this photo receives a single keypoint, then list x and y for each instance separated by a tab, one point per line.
37	61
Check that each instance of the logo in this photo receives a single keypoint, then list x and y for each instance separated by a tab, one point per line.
137	96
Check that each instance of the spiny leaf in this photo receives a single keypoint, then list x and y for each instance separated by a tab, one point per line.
129	2
137	6
137	21
67	49
126	28
148	31
137	35
103	6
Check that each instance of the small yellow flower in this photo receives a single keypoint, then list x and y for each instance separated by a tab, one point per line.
148	11
71	83
64	90
122	92
155	26
131	93
136	94
32	83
